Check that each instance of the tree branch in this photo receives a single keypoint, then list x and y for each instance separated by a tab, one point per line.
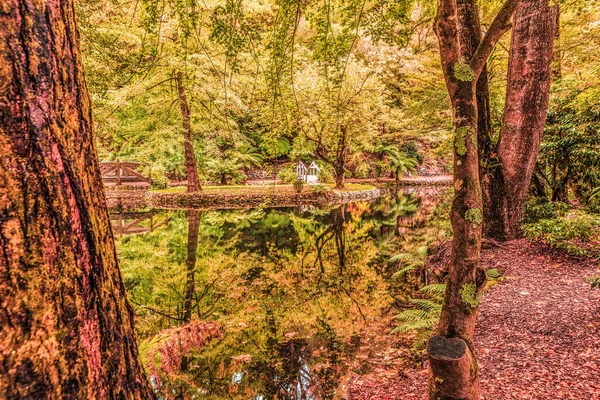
499	26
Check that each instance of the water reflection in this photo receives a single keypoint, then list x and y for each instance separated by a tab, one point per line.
134	223
291	289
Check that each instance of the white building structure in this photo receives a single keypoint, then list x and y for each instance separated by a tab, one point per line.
310	174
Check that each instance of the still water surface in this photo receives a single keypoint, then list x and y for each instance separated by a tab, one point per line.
291	290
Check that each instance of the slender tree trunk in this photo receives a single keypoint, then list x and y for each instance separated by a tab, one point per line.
340	159
66	328
453	367
528	88
191	165
557	56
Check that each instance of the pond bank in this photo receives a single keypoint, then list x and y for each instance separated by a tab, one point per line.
237	197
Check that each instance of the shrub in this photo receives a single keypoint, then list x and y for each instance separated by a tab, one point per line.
287	173
159	177
298	185
319	188
576	233
362	170
412	151
541	208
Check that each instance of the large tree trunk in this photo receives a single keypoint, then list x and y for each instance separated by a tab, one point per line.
528	88
191	165
66	329
453	366
489	167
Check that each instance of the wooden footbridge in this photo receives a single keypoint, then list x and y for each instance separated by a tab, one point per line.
117	173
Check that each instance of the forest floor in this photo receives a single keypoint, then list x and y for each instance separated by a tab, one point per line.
538	335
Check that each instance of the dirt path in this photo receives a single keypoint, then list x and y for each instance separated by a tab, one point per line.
538	334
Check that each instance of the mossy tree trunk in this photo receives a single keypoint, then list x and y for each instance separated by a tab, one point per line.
66	328
191	164
464	55
510	167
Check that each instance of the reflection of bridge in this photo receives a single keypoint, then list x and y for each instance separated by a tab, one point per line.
118	173
131	223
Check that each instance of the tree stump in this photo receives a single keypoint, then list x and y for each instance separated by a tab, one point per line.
453	370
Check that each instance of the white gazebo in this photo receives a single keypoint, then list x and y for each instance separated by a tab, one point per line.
310	174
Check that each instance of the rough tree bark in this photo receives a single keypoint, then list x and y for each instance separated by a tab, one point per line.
191	165
453	366
528	88
66	329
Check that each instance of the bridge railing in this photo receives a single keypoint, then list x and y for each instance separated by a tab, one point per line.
120	172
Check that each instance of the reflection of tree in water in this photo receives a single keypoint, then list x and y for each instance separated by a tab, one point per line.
390	212
302	369
335	230
193	217
289	288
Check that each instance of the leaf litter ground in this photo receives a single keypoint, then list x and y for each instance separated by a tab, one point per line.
538	335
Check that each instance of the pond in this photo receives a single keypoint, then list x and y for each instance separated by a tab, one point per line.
267	302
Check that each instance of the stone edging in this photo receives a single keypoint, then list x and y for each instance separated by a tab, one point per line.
219	201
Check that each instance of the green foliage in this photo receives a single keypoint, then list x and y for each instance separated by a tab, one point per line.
493	274
541	208
412	151
408	262
298	185
594	200
570	152
225	171
287	174
576	233
424	316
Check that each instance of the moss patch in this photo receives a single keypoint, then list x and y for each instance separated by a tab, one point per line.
469	295
460	139
463	72
474	215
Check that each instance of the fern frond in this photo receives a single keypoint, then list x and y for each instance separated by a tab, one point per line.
427	305
412	316
416	326
403	257
422	338
435	289
400	273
